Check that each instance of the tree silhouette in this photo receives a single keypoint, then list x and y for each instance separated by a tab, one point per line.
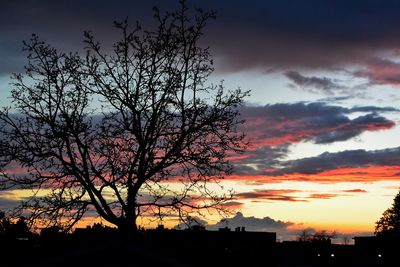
389	223
308	235
11	229
5	224
305	235
136	131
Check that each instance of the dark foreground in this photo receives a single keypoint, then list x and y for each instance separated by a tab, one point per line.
188	248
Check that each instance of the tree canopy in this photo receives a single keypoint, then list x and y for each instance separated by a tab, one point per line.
389	223
10	229
136	130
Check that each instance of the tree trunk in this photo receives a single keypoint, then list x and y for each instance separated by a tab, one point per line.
127	228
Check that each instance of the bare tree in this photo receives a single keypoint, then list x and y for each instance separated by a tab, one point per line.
323	236
346	239
309	235
305	235
137	131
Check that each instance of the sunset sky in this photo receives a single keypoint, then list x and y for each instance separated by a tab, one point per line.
323	116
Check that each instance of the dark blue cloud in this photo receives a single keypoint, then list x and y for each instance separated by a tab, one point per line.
9	200
304	34
340	20
273	128
317	122
345	159
256	34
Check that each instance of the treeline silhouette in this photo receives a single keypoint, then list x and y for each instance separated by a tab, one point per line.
100	245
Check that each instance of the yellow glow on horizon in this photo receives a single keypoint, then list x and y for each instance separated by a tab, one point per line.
344	210
347	212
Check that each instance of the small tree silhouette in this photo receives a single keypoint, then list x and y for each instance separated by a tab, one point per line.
305	235
346	239
5	224
10	229
308	235
389	223
159	121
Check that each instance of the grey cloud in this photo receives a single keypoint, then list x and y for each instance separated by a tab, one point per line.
314	84
251	223
344	159
239	220
8	204
318	122
271	195
355	128
373	109
273	128
332	99
9	200
259	158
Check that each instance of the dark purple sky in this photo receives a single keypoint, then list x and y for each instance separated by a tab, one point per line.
277	34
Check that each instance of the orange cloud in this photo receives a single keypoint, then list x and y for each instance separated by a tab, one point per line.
234	205
323	196
355	191
361	174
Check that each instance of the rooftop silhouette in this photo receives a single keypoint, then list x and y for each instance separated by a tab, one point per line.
99	245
